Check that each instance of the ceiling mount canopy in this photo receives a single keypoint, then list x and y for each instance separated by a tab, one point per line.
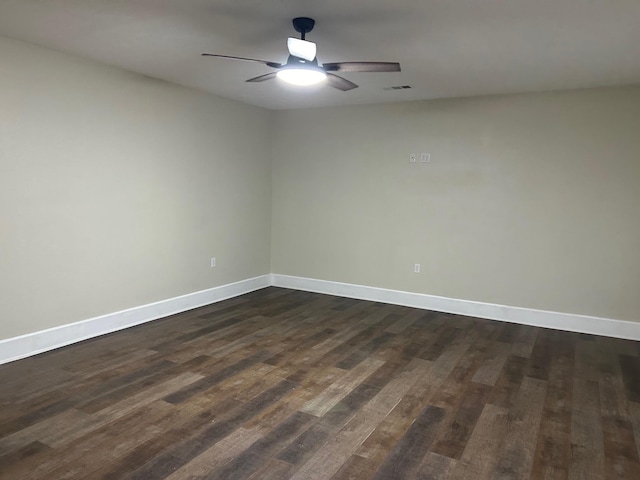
303	25
302	67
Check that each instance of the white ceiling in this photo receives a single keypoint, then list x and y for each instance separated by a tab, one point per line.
447	48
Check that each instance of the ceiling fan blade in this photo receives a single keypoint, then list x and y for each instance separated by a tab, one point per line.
362	67
340	83
264	62
262	78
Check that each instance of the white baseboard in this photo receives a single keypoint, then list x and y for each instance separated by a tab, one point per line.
33	343
539	318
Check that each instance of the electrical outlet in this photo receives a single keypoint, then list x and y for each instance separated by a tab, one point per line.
412	157
425	158
416	268
213	262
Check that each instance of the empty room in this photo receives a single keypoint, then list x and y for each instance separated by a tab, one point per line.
295	239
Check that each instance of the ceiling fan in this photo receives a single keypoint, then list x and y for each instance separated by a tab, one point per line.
302	67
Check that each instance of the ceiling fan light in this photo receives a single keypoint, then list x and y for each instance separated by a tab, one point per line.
301	48
302	76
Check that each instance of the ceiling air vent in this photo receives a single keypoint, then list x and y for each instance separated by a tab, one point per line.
398	87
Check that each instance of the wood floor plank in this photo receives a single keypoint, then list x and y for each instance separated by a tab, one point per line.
516	459
247	462
207	382
621	458
364	351
282	384
436	467
634	418
404	321
507	385
217	455
304	446
553	450
63	423
276	413
125	386
356	467
481	452
36	415
326	400
20	455
96	381
492	365
454	437
329	458
33	383
586	361
444	379
186	419
406	456
587	442
88	452
104	453
185	451
273	469
630	366
524	341
79	427
540	361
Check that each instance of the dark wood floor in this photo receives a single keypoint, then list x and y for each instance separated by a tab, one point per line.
281	384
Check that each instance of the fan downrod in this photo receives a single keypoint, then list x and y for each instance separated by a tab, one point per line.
303	25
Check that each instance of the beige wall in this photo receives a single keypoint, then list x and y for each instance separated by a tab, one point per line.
529	200
116	189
